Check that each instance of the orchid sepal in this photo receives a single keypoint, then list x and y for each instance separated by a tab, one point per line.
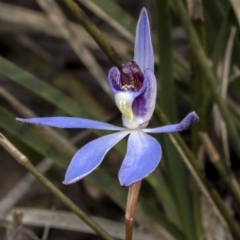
70	122
135	87
186	123
90	156
135	165
143	49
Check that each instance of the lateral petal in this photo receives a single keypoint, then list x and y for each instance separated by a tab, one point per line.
143	50
143	156
187	122
114	79
90	156
144	104
70	122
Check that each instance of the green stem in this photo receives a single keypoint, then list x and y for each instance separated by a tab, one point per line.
96	34
23	160
132	199
199	91
166	93
203	62
199	99
221	40
175	169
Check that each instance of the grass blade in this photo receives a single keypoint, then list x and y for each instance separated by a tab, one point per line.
167	100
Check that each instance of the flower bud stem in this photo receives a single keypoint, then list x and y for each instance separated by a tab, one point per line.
133	193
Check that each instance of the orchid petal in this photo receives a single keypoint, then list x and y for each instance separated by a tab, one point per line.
143	50
70	122
143	106
114	79
89	157
187	122
143	156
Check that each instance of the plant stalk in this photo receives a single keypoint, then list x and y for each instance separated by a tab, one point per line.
132	199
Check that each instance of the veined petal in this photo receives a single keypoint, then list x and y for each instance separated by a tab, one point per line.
90	156
143	156
187	122
70	122
143	106
114	79
143	50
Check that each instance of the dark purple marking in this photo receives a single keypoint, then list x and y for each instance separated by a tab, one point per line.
139	106
131	77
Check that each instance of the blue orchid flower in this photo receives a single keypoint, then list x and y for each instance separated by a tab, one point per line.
134	89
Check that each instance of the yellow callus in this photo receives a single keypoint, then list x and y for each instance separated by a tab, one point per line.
124	102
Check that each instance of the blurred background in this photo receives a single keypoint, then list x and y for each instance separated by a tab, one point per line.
51	66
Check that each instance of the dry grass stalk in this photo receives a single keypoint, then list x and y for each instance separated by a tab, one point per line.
69	221
213	229
112	22
74	39
21	20
25	112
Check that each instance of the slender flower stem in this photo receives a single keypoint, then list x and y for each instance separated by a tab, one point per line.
23	160
133	193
